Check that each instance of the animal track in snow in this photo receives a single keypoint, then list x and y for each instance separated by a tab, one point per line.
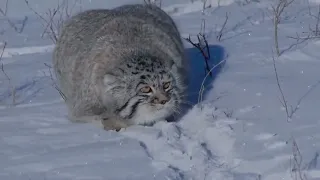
264	136
247	109
275	145
187	149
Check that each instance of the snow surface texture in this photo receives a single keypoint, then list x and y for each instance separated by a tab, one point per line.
239	132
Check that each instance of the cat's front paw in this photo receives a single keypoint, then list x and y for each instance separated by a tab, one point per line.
113	123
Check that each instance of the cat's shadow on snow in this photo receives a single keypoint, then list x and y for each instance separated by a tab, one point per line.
197	73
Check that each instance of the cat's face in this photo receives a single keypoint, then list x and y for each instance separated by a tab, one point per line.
151	93
154	96
158	97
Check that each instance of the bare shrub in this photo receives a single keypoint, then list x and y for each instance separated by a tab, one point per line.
220	32
296	163
54	18
313	33
11	86
52	21
5	9
316	31
54	84
278	9
223	27
4	12
283	99
203	46
207	5
291	110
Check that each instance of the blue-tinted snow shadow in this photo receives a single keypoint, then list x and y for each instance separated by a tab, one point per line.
197	73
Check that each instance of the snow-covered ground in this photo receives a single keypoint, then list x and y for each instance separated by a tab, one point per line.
239	132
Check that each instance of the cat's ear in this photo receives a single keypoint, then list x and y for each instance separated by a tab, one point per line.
109	79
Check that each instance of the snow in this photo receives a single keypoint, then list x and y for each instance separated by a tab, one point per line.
9	52
239	132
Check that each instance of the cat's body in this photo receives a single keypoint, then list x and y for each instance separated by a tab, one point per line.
121	67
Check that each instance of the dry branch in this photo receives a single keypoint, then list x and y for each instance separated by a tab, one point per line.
12	24
5	10
203	46
277	12
291	110
283	98
49	22
221	32
296	163
54	84
317	23
12	88
313	33
202	88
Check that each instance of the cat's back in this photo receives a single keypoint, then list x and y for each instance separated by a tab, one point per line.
79	30
123	24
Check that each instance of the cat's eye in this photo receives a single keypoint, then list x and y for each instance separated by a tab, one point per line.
166	85
146	89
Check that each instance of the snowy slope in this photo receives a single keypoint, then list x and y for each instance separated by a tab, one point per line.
240	132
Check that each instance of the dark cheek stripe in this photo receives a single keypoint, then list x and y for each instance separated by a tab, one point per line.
134	109
124	106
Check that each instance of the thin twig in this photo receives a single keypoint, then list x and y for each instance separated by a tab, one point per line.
296	162
4	13
201	91
316	32
13	90
277	12
50	25
318	21
5	10
47	24
9	21
54	84
283	99
220	34
203	46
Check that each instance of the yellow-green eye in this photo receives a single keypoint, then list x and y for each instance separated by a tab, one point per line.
146	89
166	85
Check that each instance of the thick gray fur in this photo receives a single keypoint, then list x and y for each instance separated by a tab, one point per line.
102	56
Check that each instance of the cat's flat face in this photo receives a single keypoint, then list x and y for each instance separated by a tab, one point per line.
158	98
152	90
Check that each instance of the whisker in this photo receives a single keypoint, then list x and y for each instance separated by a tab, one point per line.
176	111
189	93
185	102
188	102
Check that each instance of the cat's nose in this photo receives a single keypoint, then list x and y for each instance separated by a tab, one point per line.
161	99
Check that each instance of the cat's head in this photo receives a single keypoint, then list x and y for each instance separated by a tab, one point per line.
151	89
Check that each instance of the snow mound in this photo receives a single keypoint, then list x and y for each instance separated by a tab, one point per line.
199	146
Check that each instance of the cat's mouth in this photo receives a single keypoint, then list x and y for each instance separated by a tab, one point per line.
165	107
